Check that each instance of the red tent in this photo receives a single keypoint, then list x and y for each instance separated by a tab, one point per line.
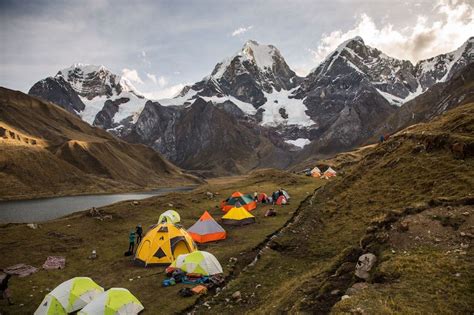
281	200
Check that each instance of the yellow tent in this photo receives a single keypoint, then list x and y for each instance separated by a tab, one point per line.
163	244
238	216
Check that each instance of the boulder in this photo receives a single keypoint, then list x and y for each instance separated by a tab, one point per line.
359	286
364	265
237	295
33	226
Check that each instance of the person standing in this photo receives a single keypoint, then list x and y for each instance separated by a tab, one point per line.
4	289
139	232
131	239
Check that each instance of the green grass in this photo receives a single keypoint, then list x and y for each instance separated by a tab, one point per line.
428	285
110	238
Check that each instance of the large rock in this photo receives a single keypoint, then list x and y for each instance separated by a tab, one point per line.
364	265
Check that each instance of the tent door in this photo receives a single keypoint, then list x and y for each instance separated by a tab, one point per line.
180	249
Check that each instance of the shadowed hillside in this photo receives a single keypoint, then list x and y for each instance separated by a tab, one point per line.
47	151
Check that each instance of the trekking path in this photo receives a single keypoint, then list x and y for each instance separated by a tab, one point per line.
77	235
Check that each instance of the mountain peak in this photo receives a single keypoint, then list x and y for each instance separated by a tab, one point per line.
251	42
82	68
261	55
351	43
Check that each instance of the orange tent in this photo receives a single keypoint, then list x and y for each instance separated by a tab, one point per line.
329	173
206	229
246	201
316	172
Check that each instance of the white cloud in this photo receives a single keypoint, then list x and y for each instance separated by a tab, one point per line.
162	81
143	53
452	26
152	77
168	92
132	75
301	71
242	30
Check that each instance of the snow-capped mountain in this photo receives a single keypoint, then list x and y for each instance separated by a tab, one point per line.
94	93
258	80
443	67
398	81
357	87
339	105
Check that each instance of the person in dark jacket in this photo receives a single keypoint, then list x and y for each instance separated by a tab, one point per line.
4	289
131	239
139	232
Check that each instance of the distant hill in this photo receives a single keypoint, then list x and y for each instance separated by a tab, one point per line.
46	151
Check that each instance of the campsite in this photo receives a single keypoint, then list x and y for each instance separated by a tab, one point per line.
76	235
236	157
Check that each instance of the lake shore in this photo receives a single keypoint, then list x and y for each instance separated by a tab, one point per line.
47	209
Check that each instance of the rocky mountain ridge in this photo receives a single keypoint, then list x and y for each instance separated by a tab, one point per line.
94	93
338	106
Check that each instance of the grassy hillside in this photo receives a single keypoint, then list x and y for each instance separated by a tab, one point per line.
47	151
75	236
408	201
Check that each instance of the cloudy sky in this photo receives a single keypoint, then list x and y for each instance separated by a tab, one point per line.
162	45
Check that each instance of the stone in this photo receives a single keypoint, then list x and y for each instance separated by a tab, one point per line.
32	226
404	226
136	203
357	287
335	292
233	260
236	295
364	265
344	297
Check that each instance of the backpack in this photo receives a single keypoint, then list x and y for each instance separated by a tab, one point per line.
185	292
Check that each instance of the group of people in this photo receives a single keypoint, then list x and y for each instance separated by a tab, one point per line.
134	236
271	199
